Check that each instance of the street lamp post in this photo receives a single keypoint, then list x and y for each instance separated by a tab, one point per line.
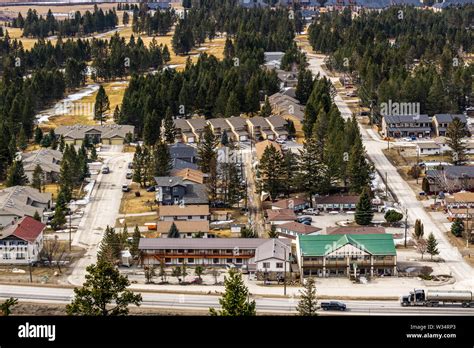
70	240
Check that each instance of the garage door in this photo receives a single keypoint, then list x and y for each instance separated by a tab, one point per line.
117	141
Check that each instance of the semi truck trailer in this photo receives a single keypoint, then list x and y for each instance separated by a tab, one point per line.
430	298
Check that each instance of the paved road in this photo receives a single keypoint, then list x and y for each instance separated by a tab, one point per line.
463	273
204	302
102	210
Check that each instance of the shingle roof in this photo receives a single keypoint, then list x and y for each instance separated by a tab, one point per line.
181	151
190	174
197	123
237	122
47	159
200	243
273	248
259	121
187	210
428	145
299	227
280	214
19	200
277	121
262	145
219	123
448	118
320	245
337	199
452	172
107	130
183	226
26	228
179	164
182	125
169	181
407	118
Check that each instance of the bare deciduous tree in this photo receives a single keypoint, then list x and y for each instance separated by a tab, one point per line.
54	252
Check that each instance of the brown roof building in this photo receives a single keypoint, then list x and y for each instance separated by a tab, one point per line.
293	229
355	230
262	145
278	216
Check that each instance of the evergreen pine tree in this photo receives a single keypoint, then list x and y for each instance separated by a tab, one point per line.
173	232
432	246
169	128
207	150
37	179
419	229
457	228
235	301
16	175
38	135
37	216
266	108
364	213
101	105
162	160
22	140
136	240
308	304
455	133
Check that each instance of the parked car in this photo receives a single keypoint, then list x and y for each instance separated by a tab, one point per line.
304	218
333	306
130	165
280	141
105	170
125	188
422	193
129	175
311	211
151	189
306	222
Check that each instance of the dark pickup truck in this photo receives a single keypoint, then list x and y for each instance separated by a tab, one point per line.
333	306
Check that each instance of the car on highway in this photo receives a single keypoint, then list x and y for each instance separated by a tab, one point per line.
105	170
333	306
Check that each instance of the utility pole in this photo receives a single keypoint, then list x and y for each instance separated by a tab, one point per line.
386	185
406	226
70	241
284	275
417	165
29	263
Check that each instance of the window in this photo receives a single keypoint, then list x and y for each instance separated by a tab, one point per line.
189	217
229	260
215	260
279	264
20	256
167	260
180	260
266	265
238	260
190	260
202	217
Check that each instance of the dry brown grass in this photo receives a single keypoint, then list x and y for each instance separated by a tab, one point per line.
134	205
131	221
52	188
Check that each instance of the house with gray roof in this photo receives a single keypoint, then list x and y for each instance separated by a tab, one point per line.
184	132
441	123
174	190
49	160
197	126
219	125
183	156
239	128
107	134
278	126
399	126
450	178
18	201
260	129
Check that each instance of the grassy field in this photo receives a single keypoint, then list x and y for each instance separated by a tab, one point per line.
133	205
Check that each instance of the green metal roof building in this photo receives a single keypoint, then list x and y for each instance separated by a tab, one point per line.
352	255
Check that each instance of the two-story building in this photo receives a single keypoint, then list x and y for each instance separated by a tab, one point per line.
336	202
346	255
197	126
259	128
174	190
21	241
219	126
293	229
278	125
238	125
296	203
184	132
397	126
441	123
107	134
450	178
183	156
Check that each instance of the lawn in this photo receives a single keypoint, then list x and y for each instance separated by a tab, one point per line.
134	205
131	221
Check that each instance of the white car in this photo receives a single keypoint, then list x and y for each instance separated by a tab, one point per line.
280	141
311	211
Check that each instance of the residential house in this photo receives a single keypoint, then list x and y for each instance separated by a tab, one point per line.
199	251
442	121
259	128
425	149
336	202
450	178
396	126
159	5
49	161
183	213
174	190
289	108
273	259
297	204
18	201
197	126
253	3
184	132
293	229
21	241
280	216
459	204
350	255
273	56
219	125
183	156
186	228
287	78
278	125
107	134
238	125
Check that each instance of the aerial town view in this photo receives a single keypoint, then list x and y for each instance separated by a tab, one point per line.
269	158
